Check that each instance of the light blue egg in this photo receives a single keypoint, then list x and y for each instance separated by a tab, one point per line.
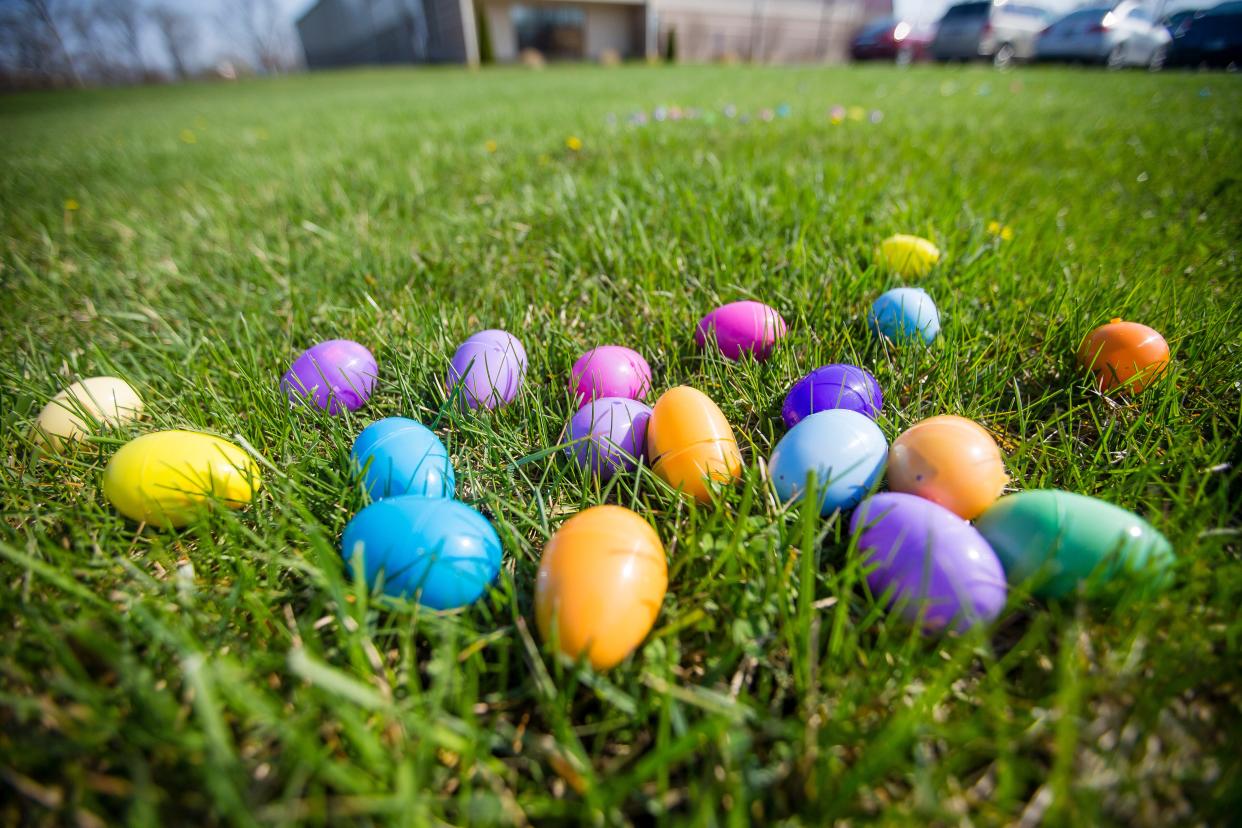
904	313
399	456
845	449
440	552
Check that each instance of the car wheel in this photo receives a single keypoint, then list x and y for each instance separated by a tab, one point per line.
1117	57
1003	58
1157	59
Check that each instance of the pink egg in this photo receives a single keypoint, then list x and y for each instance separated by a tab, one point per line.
742	327
610	371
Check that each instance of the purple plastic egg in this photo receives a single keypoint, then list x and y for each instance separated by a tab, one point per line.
610	371
742	327
490	367
608	435
336	376
939	569
833	386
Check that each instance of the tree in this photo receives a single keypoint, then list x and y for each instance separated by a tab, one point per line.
179	36
264	31
125	20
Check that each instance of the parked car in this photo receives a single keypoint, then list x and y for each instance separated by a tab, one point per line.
1122	35
1213	38
994	30
1174	22
890	39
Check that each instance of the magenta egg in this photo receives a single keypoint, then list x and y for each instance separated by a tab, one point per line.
935	567
608	435
742	327
610	371
490	367
336	376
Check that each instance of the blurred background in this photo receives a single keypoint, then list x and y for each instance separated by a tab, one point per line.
49	43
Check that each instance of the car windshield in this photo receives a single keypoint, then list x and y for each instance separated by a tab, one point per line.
966	10
1085	14
877	27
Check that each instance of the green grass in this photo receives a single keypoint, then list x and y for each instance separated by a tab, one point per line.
231	672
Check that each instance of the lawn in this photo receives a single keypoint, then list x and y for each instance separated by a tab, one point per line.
195	240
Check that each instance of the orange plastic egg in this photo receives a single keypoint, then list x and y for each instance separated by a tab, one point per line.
690	442
948	460
1124	355
600	586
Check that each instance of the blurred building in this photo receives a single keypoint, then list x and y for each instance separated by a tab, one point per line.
350	32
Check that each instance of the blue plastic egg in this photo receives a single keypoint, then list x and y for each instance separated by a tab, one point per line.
399	456
440	552
905	313
845	449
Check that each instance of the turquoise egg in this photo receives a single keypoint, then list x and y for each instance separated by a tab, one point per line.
440	552
845	449
399	456
1058	540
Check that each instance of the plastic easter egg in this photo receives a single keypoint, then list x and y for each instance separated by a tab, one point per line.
936	569
336	376
1124	355
905	313
399	456
690	443
76	411
437	551
909	255
1059	540
610	371
845	450
168	478
608	435
490	367
833	386
600	586
948	460
742	327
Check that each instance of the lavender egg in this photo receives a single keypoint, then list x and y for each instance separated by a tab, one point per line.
833	386
608	435
336	376
490	367
939	569
742	327
610	371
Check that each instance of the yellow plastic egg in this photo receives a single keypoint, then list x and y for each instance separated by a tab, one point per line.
82	407
690	443
170	477
601	583
909	255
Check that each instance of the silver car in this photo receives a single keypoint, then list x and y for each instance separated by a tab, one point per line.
995	30
1122	35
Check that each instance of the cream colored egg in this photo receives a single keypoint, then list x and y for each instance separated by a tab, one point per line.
85	406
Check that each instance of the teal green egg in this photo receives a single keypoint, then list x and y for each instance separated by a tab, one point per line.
1061	540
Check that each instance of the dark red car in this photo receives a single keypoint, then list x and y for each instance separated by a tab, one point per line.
890	39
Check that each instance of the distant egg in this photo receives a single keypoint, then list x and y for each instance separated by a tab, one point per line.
398	456
937	570
437	551
168	478
608	435
844	449
833	386
490	367
600	586
742	327
1059	540
1124	355
610	371
690	444
905	313
336	376
948	460
909	255
104	402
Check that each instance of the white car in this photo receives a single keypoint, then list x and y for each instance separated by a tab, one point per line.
1122	35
